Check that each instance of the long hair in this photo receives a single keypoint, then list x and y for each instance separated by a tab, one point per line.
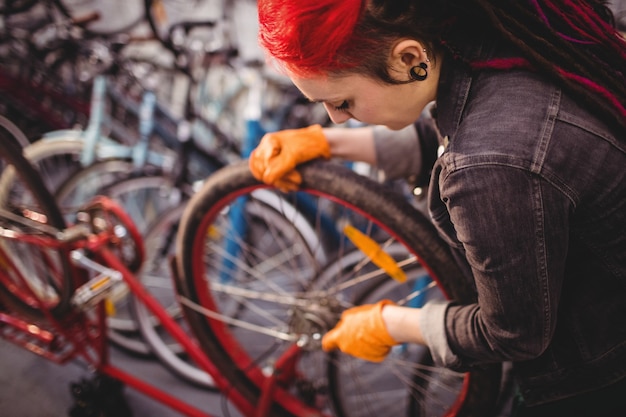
574	42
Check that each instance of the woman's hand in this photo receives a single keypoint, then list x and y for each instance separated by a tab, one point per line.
361	332
275	159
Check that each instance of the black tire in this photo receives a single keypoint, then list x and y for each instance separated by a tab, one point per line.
239	360
48	271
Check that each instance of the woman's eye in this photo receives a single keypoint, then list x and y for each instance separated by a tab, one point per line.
343	106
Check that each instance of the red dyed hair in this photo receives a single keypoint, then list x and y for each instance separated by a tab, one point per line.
308	37
572	41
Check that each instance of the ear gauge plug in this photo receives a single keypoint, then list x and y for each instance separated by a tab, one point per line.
419	72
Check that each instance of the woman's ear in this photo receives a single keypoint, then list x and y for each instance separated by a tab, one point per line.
406	54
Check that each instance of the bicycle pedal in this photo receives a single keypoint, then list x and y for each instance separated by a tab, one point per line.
96	289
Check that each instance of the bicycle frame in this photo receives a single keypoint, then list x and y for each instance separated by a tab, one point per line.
81	334
98	146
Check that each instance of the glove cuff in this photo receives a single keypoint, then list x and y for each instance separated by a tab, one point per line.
318	130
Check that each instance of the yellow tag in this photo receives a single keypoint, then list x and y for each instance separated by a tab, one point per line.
109	307
376	254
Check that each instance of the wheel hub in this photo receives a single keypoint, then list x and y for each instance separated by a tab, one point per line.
311	322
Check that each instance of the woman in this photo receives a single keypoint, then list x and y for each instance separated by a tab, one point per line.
529	188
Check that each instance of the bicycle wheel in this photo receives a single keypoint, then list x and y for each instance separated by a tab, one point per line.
34	278
264	213
280	317
55	159
82	185
14	131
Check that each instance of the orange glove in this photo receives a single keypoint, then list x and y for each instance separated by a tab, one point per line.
275	159
361	332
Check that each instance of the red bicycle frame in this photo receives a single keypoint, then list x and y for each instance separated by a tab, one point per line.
82	334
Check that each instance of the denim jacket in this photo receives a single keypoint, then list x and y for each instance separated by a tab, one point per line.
531	192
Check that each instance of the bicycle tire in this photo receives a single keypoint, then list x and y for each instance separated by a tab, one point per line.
85	183
46	275
55	159
15	131
238	360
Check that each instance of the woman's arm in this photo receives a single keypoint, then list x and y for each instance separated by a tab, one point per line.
352	144
403	324
398	153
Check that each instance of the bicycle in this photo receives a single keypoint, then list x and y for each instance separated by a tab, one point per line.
53	277
262	330
55	304
78	164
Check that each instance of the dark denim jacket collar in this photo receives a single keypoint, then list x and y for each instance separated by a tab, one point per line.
454	86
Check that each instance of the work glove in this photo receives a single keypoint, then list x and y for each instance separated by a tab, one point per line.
362	333
275	159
